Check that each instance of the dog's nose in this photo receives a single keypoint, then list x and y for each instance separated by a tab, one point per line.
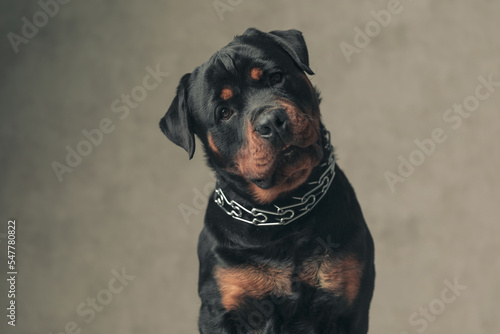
273	125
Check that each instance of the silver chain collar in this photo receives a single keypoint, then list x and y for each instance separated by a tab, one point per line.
287	214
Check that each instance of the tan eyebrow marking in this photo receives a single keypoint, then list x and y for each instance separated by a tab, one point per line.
256	73
226	93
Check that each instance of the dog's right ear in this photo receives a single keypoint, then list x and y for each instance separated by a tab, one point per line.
291	41
177	123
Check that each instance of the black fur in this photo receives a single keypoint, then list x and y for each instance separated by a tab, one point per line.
334	229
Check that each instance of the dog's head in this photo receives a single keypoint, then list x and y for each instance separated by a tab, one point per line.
255	111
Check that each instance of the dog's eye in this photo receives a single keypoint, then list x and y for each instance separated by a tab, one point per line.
225	114
276	78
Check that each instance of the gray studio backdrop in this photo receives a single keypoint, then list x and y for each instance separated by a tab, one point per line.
108	211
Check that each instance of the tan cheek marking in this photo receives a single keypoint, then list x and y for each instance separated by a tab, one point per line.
251	281
212	146
226	94
305	129
256	73
340	276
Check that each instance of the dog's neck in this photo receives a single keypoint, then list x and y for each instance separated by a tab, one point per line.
232	198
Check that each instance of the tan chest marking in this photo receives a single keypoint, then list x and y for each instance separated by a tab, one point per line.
251	281
339	276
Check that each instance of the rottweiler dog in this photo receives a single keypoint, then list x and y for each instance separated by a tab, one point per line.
284	247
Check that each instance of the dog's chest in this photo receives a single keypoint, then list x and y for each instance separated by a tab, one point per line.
338	276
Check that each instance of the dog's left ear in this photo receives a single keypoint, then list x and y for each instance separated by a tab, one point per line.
177	124
292	42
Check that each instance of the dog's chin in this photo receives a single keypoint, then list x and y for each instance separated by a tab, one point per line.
292	169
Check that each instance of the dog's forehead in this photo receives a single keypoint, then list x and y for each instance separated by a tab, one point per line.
231	71
237	59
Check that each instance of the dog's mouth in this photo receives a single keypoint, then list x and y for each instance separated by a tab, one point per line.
293	165
281	148
288	150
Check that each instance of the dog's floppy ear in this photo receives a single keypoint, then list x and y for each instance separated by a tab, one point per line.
177	124
292	42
